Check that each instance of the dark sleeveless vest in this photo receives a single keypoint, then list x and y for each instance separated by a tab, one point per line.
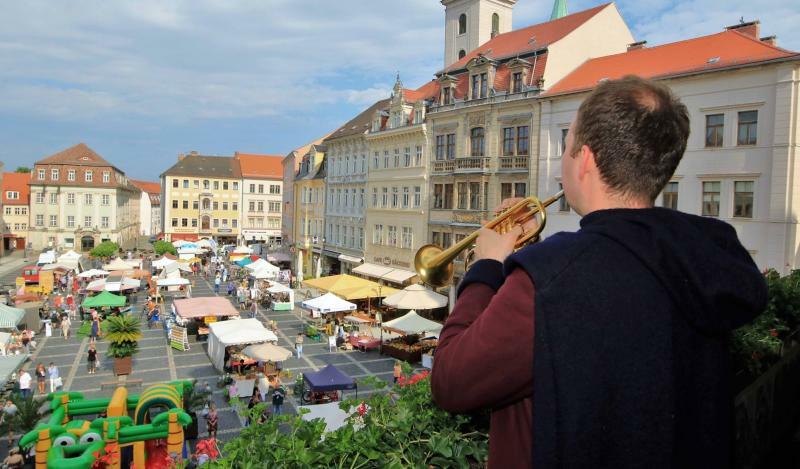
623	375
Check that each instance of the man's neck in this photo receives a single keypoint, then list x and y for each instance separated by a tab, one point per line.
608	201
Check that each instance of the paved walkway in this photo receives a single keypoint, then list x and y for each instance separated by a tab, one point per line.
156	362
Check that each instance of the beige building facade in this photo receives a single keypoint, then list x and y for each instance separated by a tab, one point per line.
309	215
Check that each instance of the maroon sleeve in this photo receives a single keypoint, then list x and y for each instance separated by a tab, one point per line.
485	352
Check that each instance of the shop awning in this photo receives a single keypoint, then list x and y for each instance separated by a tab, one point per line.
329	303
104	299
399	275
9	365
172	282
351	259
372	270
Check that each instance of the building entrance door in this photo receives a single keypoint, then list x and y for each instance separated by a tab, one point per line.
87	243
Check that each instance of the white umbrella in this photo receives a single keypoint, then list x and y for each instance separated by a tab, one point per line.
415	297
92	273
267	352
163	262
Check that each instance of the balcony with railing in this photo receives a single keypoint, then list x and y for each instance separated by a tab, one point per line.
443	166
473	164
514	164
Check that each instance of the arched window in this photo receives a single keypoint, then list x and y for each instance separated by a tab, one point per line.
477	141
462	24
495	24
461	54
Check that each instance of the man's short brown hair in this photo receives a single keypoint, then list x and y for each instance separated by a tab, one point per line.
637	130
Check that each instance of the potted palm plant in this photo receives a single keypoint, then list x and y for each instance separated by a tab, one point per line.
123	334
194	399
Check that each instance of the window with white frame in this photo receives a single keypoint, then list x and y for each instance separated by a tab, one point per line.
87	221
274	207
87	175
107	177
417	196
407	238
53	198
40	174
53	221
743	199
105	199
103	222
418	156
670	197
395	198
748	128
377	234
39	220
374	197
384	197
12	195
70	198
39	196
407	157
711	197
70	221
8	210
71	175
385	158
406	197
391	236
87	199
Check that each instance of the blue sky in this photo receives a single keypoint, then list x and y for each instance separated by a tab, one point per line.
140	81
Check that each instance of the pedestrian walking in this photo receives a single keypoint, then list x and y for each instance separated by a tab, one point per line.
217	281
254	310
91	360
212	420
9	410
95	329
65	325
298	344
41	376
277	399
55	379
25	384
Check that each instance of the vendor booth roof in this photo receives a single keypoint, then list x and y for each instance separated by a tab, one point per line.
244	261
350	287
385	273
279	257
242	250
118	264
241	331
172	282
267	352
92	273
69	255
204	306
359	318
265	272
278	288
329	379
104	299
9	365
10	316
163	262
131	273
416	297
329	303
262	264
412	323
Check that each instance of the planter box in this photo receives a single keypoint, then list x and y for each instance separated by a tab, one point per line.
123	366
413	356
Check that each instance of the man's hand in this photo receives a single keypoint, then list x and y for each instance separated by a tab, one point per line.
492	245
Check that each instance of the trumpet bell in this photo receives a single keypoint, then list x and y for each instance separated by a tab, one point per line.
428	271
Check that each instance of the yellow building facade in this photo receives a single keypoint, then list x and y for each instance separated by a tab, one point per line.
309	214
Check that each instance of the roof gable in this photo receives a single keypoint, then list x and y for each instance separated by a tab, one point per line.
146	186
260	166
529	39
359	124
16	182
79	154
207	166
706	53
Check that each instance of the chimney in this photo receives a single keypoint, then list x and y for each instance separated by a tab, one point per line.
181	156
193	153
771	40
751	28
637	45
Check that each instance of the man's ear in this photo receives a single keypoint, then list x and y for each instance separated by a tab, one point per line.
587	162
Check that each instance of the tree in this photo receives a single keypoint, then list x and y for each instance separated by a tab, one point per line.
22	169
27	416
105	249
160	247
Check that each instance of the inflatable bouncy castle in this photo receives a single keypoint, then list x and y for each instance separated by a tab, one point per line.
151	424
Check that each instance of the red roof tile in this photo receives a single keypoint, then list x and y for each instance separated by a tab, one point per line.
260	166
17	182
528	39
427	91
146	186
707	53
80	155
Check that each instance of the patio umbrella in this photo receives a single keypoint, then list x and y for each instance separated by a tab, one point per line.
415	297
267	352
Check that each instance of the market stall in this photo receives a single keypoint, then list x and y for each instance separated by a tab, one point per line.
282	297
118	264
197	313
92	273
350	287
327	303
175	284
419	336
104	300
240	332
326	385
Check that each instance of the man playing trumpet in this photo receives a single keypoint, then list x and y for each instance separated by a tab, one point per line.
606	347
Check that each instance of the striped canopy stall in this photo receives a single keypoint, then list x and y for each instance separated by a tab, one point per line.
10	317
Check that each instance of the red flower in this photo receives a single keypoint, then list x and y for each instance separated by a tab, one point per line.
362	409
773	333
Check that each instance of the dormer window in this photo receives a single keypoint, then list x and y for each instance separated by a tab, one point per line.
480	85
418	116
516	82
447	95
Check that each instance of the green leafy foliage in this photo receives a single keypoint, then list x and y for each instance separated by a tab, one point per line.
105	249
399	429
123	333
27	416
758	345
22	169
194	398
160	247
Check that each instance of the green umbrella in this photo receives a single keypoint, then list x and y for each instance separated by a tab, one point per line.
104	299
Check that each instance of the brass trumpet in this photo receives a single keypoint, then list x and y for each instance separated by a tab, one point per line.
435	265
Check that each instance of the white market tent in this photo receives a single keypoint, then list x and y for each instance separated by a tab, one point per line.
278	288
163	262
415	297
180	242
243	250
118	264
223	334
333	416
69	255
92	273
329	303
265	273
172	282
413	323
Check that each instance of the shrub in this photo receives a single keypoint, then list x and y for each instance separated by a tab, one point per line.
160	247
123	334
105	249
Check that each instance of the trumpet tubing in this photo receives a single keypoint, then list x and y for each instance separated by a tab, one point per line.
434	265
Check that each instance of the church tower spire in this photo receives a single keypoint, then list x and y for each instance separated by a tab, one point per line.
559	10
